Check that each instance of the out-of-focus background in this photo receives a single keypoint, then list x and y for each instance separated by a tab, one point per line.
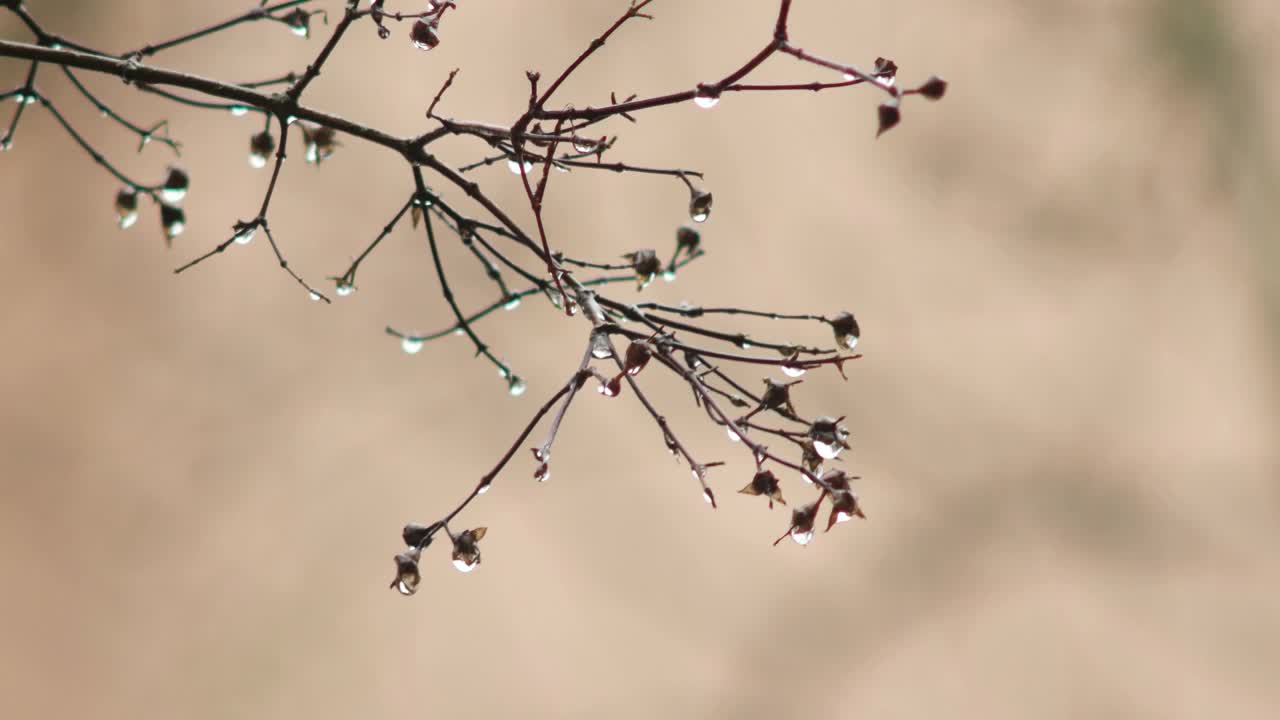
1066	419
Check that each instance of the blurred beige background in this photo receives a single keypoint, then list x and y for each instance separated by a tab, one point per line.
1066	274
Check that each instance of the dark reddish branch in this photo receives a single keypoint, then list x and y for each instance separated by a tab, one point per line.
569	124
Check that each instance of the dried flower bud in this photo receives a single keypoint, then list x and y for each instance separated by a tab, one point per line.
765	483
885	68
646	264
699	205
175	185
688	239
828	437
420	536
844	507
835	479
260	146
126	207
845	327
407	575
320	141
777	396
299	21
466	549
423	35
174	221
889	116
802	519
933	88
811	461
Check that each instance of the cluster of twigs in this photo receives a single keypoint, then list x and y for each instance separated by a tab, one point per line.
684	341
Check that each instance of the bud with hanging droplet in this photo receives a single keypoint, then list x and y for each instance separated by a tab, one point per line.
260	146
844	507
646	264
699	205
407	576
466	549
802	519
299	22
173	220
423	35
126	207
176	183
320	141
828	437
638	354
847	332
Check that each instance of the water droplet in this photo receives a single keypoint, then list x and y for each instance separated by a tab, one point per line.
848	340
584	146
410	345
816	471
6	145
512	304
543	473
802	537
733	436
344	289
706	495
257	161
705	99
560	168
516	386
849	77
503	372
299	30
669	275
173	195
514	166
313	153
174	229
467	565
483	489
291	119
842	516
459	331
244	237
600	346
238	110
128	219
404	588
315	296
827	451
792	370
